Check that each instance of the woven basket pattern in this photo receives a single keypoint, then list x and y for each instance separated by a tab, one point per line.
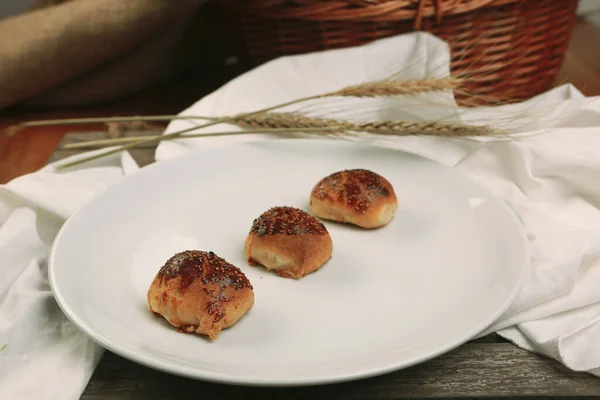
511	49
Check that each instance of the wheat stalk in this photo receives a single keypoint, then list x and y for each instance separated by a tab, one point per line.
131	139
14	129
354	91
292	122
384	88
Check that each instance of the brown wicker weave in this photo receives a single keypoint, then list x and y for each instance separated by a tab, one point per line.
513	49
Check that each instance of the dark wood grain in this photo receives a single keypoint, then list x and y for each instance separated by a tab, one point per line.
483	370
581	66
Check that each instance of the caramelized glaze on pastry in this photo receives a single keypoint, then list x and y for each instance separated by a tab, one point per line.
289	241
200	292
356	196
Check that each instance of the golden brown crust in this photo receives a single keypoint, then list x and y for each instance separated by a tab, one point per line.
287	221
207	266
199	292
289	241
356	196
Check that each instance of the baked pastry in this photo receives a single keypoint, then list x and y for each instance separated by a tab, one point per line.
289	241
199	292
356	196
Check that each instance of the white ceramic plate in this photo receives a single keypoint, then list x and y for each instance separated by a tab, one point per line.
445	268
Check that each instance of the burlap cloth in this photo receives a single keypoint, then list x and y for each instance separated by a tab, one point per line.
69	52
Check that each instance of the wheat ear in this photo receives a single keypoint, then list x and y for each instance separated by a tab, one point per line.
388	88
393	128
291	122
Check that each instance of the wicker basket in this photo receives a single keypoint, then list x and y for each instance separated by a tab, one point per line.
512	48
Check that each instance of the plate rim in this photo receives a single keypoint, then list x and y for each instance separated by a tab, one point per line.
224	378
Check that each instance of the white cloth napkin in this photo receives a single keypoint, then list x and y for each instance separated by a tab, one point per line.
45	357
547	178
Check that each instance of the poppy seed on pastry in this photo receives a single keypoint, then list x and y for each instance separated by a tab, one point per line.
289	241
200	292
355	196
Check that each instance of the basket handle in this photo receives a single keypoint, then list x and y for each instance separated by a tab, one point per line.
419	16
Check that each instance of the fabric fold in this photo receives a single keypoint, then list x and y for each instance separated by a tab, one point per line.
46	356
547	176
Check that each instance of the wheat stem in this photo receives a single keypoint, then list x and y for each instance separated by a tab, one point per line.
295	123
384	88
14	129
110	142
290	122
370	89
178	133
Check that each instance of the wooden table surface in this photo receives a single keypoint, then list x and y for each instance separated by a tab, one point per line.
482	370
486	368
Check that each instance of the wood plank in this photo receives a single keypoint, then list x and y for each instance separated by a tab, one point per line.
582	60
27	152
33	148
485	370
